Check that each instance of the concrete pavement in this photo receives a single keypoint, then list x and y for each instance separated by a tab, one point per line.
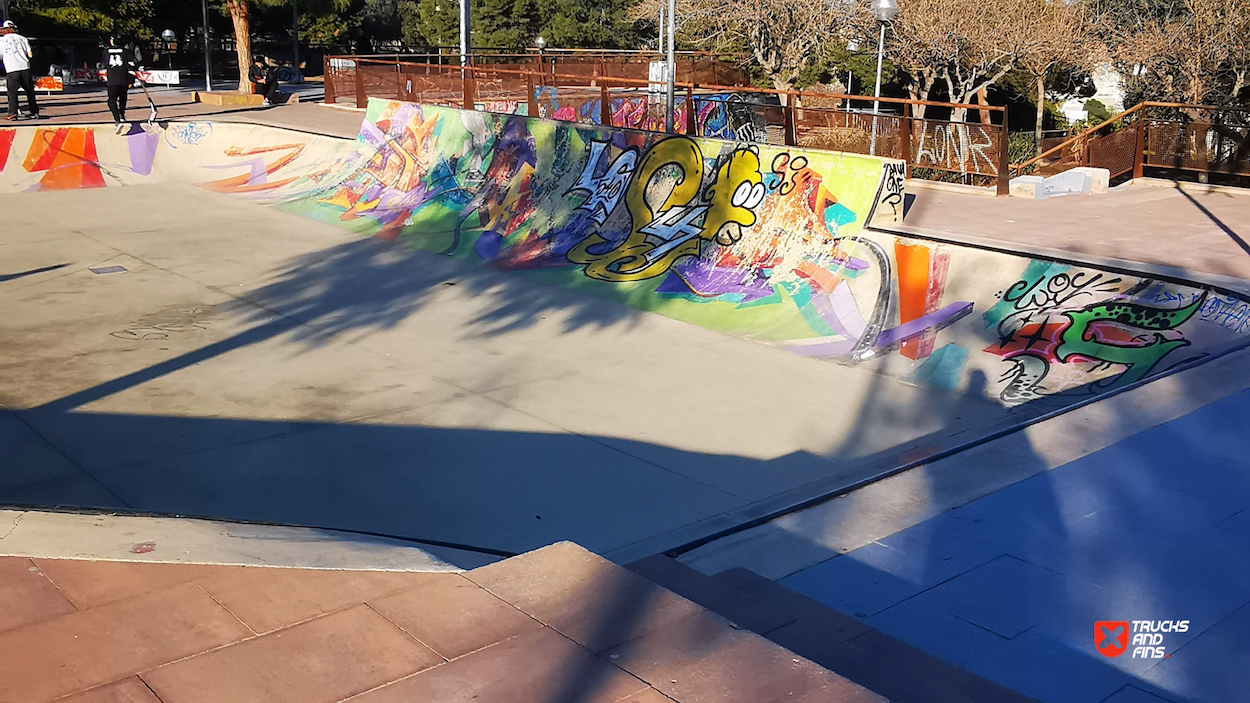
86	105
1192	231
1000	559
251	364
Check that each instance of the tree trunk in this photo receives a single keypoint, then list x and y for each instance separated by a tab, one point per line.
240	13
1041	111
779	84
921	85
983	98
956	95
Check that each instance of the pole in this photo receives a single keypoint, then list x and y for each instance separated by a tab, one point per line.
876	104
295	36
208	52
671	79
659	31
464	32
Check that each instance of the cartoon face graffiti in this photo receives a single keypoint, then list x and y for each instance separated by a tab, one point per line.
675	227
738	177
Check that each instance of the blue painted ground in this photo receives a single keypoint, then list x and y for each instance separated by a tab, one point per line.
1156	527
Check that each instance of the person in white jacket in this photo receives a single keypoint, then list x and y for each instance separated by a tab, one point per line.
15	53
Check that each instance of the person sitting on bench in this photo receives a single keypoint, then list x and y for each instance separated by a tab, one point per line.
264	79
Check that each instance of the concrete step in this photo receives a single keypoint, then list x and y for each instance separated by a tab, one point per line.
740	608
845	645
234	97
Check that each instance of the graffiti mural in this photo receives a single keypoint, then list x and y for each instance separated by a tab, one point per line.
956	146
763	242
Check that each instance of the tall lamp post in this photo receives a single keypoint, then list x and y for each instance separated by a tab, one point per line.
295	39
464	33
542	61
168	36
670	87
208	52
852	46
884	11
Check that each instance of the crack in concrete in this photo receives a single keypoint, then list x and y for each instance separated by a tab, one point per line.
16	520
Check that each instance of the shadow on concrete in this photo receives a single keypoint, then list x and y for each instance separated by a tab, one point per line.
1009	586
4	277
1217	221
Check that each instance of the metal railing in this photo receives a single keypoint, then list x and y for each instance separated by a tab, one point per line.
1169	136
601	95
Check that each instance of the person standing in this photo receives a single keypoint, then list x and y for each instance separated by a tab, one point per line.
16	54
119	74
264	79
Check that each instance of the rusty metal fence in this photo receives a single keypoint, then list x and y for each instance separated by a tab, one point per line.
1167	136
605	93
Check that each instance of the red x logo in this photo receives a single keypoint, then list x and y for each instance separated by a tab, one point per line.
1110	637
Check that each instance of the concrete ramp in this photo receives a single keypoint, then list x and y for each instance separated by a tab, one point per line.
762	242
873	350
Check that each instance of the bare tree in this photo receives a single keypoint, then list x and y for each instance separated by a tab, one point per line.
968	46
1192	51
1059	39
783	36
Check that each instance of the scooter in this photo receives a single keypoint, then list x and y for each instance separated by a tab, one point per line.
152	116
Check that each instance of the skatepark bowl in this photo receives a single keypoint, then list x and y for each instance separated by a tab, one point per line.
500	332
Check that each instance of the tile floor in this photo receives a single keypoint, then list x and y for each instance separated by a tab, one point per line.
556	625
1156	527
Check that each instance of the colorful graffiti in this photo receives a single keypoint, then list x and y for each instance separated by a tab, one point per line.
955	146
758	241
762	242
717	116
1100	330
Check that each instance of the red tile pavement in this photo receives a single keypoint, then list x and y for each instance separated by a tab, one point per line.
69	653
176	634
587	598
541	665
696	659
128	690
90	583
326	659
266	599
26	595
452	616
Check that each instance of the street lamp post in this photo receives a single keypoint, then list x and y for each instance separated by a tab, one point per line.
464	32
208	53
542	61
852	46
884	11
670	87
168	36
295	38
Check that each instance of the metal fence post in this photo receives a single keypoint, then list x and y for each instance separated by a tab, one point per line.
531	99
326	71
1139	157
1004	159
691	121
470	89
362	98
787	116
905	140
605	104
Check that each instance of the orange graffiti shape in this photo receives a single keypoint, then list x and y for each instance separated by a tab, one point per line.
68	157
242	183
